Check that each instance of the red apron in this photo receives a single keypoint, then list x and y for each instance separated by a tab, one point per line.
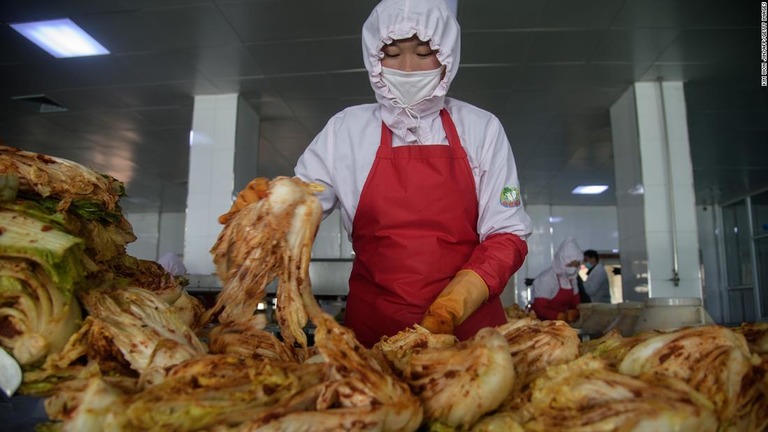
414	228
562	301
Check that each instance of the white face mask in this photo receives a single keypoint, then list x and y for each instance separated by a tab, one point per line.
570	271
411	87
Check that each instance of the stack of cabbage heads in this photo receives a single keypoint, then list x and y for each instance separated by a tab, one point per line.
59	226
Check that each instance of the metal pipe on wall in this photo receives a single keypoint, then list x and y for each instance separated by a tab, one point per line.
670	189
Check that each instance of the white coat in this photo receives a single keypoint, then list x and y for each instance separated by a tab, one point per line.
341	156
550	281
172	263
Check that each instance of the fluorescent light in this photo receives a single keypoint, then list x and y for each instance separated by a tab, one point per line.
638	189
61	38
589	189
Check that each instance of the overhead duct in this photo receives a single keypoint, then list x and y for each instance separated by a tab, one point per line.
43	103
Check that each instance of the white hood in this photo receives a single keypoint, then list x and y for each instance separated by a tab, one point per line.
429	20
567	252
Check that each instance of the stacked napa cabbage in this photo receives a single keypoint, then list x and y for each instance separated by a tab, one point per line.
63	238
59	221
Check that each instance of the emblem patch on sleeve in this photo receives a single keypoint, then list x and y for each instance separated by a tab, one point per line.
510	196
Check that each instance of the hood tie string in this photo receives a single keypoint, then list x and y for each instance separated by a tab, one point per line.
411	114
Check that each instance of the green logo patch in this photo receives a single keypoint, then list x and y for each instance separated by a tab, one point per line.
510	196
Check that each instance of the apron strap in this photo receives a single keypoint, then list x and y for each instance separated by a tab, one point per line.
386	136
450	130
449	127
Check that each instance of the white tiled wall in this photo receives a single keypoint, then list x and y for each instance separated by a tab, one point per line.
211	178
668	180
146	227
540	244
650	135
332	241
629	197
246	144
171	235
156	234
329	237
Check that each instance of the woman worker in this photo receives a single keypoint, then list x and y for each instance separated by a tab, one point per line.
427	185
555	290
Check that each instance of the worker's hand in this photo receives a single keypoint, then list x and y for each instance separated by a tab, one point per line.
253	192
561	316
571	315
458	300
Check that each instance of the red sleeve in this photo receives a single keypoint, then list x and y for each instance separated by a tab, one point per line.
544	309
497	259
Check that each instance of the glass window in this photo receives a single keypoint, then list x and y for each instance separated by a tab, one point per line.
760	214
761	252
741	303
737	240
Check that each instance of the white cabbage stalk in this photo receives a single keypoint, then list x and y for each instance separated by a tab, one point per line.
188	310
396	349
756	335
39	268
36	317
356	396
457	384
98	407
219	390
51	176
273	238
585	395
712	359
499	422
267	239
142	327
535	345
58	253
247	338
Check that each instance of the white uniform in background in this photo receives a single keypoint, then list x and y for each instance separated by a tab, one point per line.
555	290
173	264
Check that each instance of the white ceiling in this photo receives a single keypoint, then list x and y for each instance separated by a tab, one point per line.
549	69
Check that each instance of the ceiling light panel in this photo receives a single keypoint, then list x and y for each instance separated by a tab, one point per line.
589	189
61	38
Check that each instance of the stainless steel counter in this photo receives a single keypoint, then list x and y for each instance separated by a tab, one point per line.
329	278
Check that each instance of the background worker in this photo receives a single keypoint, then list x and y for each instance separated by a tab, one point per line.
555	290
172	263
596	286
